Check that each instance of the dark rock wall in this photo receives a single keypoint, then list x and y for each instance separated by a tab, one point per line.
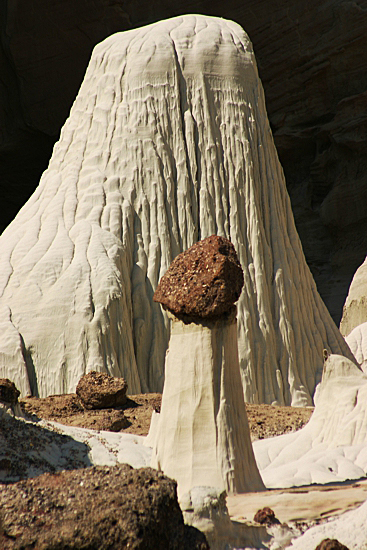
313	65
312	62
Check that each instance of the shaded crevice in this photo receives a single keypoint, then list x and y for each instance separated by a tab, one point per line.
31	370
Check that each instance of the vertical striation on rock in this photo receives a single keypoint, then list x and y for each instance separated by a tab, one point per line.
357	342
202	437
167	143
315	95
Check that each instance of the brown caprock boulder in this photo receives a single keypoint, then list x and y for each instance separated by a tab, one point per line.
204	281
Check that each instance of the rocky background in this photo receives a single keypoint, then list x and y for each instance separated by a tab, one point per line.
312	62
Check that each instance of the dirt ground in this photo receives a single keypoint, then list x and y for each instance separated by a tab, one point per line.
134	416
35	511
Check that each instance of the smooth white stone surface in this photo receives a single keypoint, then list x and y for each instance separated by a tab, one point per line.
202	435
332	447
357	341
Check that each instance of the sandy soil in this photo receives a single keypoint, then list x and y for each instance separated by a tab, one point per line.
134	416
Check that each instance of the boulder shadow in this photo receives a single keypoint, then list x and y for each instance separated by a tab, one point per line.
28	450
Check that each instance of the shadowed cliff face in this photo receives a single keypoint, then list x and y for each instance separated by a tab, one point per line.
312	64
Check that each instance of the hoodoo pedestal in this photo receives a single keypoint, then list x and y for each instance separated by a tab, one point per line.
202	435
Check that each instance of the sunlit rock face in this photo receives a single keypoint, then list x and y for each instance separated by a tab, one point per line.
315	97
355	307
331	448
167	143
201	436
357	342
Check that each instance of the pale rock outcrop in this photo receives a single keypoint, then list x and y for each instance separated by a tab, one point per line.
315	95
202	435
350	529
167	143
357	341
12	354
332	446
355	307
205	508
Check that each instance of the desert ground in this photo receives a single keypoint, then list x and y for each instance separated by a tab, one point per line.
134	416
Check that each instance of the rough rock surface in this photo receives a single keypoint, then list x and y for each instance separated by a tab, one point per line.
96	508
29	449
203	282
305	504
315	92
8	392
97	390
330	544
132	417
149	162
266	516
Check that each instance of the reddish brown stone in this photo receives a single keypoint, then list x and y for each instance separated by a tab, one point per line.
266	516
330	544
8	392
97	390
203	282
96	508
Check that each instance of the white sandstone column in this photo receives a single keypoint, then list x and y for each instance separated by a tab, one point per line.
202	436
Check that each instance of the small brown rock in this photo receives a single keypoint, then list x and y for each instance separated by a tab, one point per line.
8	392
203	282
97	390
330	544
266	516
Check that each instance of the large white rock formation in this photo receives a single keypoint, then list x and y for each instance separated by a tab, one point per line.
167	142
202	437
